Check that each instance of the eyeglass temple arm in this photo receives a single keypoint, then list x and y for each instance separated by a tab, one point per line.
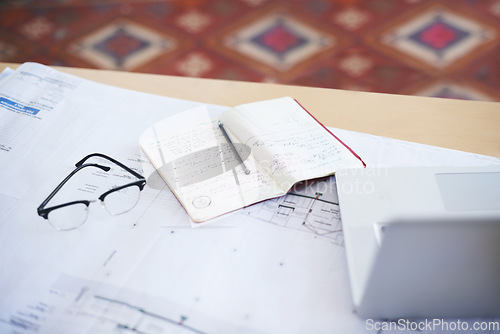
137	175
79	167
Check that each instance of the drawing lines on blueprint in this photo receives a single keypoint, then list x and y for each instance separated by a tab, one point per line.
75	303
310	209
127	317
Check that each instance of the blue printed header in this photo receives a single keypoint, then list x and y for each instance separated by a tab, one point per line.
9	104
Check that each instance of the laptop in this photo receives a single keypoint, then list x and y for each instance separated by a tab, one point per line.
422	242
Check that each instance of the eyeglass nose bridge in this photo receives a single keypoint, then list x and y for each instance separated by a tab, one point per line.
95	201
98	200
88	204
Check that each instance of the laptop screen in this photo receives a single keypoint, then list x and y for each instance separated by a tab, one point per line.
469	191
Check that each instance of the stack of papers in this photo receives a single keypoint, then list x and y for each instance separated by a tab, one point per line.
274	267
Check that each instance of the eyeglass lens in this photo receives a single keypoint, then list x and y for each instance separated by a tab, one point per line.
122	200
72	216
68	217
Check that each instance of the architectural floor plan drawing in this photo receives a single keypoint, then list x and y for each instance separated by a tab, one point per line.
311	208
99	308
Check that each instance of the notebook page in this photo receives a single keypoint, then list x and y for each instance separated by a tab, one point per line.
290	144
192	155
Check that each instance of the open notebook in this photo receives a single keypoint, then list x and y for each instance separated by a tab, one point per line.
251	153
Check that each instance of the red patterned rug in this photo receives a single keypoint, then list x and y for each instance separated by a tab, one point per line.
442	48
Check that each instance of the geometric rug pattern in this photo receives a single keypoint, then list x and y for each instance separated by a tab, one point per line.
440	48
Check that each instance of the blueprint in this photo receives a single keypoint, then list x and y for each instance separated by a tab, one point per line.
148	270
311	209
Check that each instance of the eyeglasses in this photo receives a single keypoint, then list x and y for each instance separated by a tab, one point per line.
118	200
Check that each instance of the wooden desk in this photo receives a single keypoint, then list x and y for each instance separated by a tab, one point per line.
472	126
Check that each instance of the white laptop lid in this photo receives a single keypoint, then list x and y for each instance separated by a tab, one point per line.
370	198
435	269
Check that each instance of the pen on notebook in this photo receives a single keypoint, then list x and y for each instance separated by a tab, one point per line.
221	126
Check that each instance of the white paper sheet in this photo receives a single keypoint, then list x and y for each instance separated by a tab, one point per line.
275	267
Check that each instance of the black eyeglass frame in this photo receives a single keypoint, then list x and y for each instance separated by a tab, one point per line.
44	212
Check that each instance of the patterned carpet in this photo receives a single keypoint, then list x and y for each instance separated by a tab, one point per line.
442	48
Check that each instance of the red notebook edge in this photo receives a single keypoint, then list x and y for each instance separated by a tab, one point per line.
340	141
